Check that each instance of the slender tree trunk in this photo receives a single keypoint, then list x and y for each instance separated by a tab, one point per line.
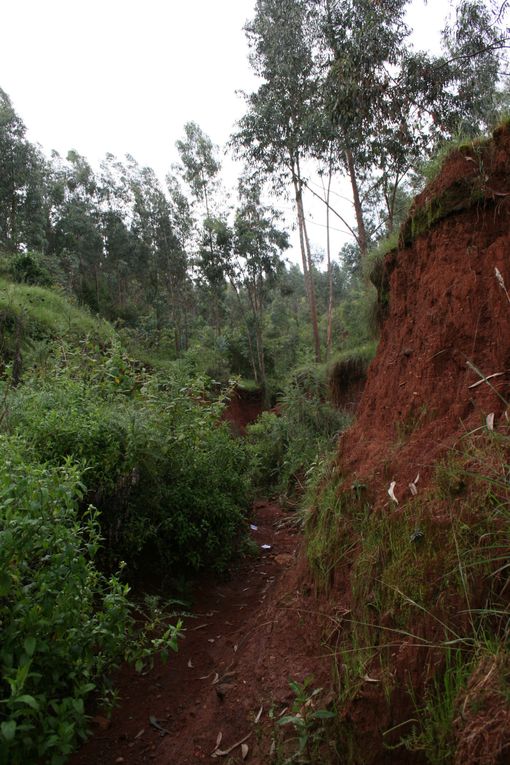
306	258
360	221
248	335
329	336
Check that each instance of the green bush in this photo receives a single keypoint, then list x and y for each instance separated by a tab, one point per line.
168	479
63	624
284	448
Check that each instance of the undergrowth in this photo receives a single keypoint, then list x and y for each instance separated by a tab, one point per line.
285	447
429	578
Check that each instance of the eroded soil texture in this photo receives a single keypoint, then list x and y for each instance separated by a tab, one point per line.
241	645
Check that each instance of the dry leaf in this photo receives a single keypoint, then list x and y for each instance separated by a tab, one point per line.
391	491
490	421
368	679
416	479
484	379
259	714
244	751
190	664
235	648
224	752
413	489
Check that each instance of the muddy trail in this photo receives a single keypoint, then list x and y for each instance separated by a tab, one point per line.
232	662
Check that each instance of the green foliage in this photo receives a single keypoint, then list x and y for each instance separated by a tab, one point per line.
433	729
64	624
28	268
167	477
286	447
433	574
307	721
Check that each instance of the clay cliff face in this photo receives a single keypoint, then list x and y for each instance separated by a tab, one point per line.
446	312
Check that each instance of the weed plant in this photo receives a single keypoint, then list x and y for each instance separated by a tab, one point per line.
433	574
64	624
285	447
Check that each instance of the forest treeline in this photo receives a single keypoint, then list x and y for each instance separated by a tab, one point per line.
342	94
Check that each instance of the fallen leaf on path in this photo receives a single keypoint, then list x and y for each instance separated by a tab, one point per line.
244	751
225	752
155	724
218	742
190	664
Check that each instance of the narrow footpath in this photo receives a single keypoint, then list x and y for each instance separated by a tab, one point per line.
231	672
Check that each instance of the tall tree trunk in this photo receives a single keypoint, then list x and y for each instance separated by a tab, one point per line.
360	221
306	258
248	335
329	336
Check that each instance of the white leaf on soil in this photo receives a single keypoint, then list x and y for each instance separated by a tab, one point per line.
416	479
190	664
235	648
368	679
490	421
391	491
413	489
244	751
266	547
259	714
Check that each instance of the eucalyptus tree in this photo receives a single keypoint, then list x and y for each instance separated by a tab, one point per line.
258	245
76	225
199	164
201	221
23	170
390	105
161	260
273	134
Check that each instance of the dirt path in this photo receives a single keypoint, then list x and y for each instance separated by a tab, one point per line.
233	660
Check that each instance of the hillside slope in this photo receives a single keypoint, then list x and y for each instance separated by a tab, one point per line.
446	312
407	532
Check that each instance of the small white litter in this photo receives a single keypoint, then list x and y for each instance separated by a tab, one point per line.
253	527
266	547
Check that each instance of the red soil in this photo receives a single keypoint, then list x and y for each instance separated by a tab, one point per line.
246	635
446	311
243	408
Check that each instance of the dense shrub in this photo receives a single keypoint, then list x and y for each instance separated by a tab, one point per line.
64	625
284	447
168	478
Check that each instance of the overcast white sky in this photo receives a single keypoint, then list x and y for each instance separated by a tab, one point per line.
123	76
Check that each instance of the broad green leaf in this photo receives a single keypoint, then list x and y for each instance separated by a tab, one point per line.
8	729
29	700
29	645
